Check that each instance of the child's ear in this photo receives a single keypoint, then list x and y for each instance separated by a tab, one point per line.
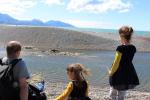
18	53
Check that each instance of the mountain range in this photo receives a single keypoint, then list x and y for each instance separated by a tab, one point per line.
7	19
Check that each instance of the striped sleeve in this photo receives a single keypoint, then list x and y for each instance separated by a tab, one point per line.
66	92
116	63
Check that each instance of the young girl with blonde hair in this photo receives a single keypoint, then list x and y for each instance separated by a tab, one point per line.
122	75
77	89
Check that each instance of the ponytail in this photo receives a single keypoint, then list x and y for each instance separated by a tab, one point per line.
86	71
130	30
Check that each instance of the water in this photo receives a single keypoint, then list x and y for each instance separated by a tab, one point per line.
53	68
139	33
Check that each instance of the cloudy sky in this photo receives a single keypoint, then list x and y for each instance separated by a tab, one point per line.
83	13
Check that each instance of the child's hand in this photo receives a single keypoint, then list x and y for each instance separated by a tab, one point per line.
108	71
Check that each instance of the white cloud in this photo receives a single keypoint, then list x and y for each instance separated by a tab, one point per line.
88	24
53	2
99	6
15	7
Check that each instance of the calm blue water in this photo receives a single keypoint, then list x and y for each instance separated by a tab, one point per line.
53	68
140	33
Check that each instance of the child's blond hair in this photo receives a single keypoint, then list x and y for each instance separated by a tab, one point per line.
79	71
126	32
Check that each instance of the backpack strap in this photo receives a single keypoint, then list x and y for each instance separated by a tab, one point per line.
1	62
14	62
11	65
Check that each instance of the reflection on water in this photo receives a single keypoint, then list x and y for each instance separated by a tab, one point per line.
54	67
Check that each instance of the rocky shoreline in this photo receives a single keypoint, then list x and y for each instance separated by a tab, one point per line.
96	92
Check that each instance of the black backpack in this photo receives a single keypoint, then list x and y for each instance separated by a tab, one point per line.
8	86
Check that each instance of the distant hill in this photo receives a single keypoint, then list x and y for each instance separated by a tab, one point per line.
58	23
6	19
48	38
